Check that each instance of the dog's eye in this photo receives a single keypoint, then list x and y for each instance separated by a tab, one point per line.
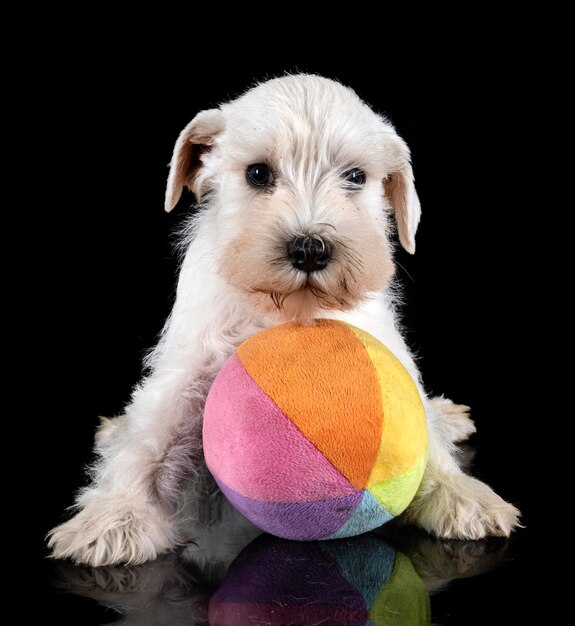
259	175
354	177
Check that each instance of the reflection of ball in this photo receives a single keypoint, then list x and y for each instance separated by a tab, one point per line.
354	581
315	432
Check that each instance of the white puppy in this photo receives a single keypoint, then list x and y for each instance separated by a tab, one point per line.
298	183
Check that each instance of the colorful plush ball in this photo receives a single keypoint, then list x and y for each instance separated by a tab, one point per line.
315	432
362	581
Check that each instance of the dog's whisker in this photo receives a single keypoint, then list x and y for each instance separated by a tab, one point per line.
326	224
278	299
405	270
279	261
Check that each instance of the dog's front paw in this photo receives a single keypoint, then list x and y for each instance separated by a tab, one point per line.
462	507
110	531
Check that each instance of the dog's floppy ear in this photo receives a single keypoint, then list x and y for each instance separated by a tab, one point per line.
400	191
195	139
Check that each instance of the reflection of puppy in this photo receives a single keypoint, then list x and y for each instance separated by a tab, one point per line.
272	579
439	561
160	593
298	183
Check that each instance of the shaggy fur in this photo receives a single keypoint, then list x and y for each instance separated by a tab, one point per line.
236	278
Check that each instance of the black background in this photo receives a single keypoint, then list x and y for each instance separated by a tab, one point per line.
104	270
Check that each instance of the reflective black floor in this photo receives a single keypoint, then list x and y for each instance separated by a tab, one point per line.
235	576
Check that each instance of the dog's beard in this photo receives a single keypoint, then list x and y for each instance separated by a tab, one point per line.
257	263
279	291
301	305
299	296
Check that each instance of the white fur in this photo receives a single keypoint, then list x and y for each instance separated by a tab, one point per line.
235	280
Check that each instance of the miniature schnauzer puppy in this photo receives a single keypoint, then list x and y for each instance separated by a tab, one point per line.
300	189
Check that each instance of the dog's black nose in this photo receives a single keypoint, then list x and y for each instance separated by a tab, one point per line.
309	253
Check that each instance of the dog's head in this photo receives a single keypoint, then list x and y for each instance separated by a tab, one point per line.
299	180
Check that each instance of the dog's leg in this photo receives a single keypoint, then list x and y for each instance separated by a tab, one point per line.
453	419
450	503
128	513
122	516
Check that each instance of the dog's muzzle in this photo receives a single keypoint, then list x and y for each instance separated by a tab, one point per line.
309	253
